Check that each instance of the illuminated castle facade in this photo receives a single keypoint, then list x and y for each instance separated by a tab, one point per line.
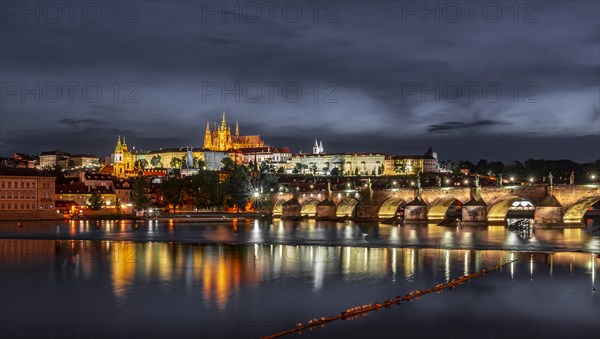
221	139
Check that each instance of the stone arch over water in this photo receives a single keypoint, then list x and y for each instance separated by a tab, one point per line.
390	207
498	209
438	209
576	212
346	208
309	209
278	208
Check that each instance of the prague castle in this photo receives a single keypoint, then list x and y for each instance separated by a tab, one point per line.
221	139
220	143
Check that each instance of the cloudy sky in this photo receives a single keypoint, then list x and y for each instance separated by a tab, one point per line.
488	80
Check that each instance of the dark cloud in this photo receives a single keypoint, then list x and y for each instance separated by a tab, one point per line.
368	75
457	125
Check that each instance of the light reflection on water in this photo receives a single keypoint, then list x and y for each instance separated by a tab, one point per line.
172	289
311	232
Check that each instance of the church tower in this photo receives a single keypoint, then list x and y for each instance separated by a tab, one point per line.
123	159
224	135
118	166
207	137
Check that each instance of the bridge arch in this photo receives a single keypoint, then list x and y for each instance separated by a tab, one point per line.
309	208
278	208
576	212
438	209
390	207
346	208
498	209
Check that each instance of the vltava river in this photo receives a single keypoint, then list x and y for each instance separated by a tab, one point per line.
157	280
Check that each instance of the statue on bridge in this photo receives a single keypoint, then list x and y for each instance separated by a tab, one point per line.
572	179
370	189
439	181
500	182
329	189
419	191
477	188
550	180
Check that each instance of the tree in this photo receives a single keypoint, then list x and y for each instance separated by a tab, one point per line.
228	165
400	168
205	189
239	189
335	172
57	172
313	169
175	163
138	193
417	168
482	167
156	161
297	168
172	190
141	164
95	201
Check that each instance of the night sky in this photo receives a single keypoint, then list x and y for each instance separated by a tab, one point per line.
498	81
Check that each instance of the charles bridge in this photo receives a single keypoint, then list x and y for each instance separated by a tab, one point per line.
563	206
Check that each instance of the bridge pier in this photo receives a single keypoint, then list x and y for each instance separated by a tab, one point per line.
474	212
548	212
291	209
416	211
367	210
326	209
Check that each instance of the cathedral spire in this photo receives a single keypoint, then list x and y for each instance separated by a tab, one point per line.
124	142
237	129
224	122
207	136
119	140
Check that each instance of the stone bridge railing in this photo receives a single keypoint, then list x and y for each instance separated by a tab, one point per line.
561	205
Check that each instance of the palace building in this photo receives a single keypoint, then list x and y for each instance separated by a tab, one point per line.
221	139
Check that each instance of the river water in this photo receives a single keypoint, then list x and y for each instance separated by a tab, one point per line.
87	279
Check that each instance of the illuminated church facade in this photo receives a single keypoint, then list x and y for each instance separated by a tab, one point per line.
221	139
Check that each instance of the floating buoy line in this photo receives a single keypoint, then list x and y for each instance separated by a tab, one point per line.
363	310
